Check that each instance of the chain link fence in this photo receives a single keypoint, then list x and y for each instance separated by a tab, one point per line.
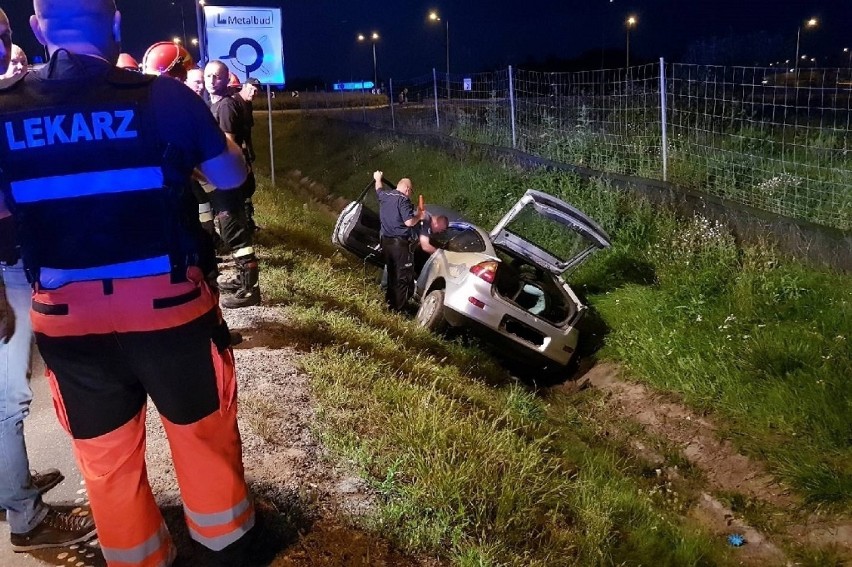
772	139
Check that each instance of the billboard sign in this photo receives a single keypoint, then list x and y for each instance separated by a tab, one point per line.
248	40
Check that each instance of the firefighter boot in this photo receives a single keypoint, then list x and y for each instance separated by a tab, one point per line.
248	293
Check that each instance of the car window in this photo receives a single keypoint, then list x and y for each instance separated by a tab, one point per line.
459	238
548	234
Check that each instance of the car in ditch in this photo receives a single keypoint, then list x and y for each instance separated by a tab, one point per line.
507	284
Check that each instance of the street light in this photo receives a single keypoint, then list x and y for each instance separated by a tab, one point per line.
630	23
849	51
374	37
435	17
812	23
176	40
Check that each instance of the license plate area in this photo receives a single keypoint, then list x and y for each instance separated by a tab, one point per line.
521	330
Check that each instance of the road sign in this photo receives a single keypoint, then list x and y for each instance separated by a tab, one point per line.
468	84
247	40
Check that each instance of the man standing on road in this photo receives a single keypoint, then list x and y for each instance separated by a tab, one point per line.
230	205
397	217
33	524
96	163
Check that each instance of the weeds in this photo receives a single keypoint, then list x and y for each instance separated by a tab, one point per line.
484	471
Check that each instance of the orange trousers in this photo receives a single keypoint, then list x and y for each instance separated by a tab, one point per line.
109	346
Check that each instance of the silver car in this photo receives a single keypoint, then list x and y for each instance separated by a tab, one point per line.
508	284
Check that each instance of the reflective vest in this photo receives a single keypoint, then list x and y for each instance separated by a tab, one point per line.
95	193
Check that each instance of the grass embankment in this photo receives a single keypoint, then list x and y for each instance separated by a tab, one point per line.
486	472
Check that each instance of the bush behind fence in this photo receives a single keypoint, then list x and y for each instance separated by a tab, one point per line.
777	141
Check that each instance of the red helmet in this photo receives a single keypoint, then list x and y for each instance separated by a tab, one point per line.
167	58
233	80
126	61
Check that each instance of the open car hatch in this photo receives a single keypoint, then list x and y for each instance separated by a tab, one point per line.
549	232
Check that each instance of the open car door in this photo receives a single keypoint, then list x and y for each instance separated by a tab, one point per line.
549	232
357	228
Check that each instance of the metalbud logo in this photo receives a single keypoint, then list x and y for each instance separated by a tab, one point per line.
244	19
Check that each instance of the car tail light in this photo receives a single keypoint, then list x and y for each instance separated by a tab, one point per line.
478	302
485	270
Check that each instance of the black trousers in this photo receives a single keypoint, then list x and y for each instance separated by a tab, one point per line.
400	265
233	224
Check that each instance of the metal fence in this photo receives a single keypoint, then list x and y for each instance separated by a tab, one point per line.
777	141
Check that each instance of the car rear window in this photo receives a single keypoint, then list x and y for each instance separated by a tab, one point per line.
459	239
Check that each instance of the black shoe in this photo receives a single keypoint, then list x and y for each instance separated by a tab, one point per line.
243	298
57	529
46	479
236	337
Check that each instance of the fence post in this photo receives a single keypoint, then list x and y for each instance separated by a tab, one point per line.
435	88
390	94
512	108
665	148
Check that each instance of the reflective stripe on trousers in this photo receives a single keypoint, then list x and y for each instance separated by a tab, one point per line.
208	461
217	505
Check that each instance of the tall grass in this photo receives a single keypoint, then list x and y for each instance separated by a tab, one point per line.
761	343
468	465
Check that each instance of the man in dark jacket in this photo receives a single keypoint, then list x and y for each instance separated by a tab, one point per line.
397	217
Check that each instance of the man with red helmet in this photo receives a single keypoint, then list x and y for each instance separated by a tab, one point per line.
167	58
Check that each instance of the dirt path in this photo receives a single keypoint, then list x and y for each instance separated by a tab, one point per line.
722	470
306	501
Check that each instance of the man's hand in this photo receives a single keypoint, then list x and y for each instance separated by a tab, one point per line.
377	176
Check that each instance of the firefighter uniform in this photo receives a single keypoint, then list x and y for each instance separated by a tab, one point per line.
96	164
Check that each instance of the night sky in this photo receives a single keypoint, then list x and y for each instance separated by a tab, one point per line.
320	35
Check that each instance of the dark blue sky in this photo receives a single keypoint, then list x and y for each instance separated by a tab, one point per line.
319	35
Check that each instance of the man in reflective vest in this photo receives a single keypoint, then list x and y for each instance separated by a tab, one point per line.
96	164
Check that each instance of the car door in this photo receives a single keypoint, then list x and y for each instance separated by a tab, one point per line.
549	232
357	228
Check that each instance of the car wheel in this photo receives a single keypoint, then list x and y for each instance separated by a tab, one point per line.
431	312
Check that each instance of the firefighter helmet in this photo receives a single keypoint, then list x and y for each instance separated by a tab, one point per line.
233	80
167	58
126	61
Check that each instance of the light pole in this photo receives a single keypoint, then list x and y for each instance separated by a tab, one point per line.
179	4
812	23
435	17
849	51
630	23
202	33
374	37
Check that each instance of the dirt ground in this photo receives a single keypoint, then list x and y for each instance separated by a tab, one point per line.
306	502
664	424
